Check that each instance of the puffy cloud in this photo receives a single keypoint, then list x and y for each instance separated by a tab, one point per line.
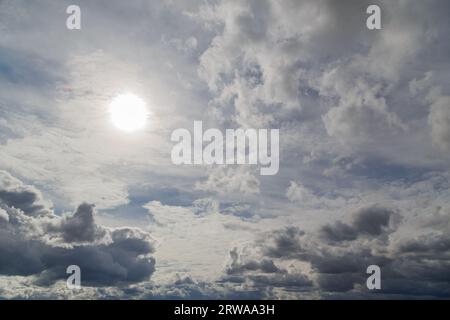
261	61
284	243
299	194
290	63
44	245
362	115
263	273
228	180
410	266
439	120
369	221
236	266
80	226
14	194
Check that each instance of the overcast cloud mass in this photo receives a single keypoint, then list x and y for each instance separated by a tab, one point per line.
364	120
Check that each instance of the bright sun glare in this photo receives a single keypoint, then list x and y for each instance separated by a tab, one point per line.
128	112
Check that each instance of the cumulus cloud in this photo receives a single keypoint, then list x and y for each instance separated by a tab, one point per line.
44	245
237	266
227	180
14	194
362	115
369	221
299	194
250	269
299	62
439	120
80	226
409	265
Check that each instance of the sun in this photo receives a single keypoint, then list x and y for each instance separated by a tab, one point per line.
128	112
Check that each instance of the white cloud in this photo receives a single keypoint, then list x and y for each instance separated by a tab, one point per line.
226	180
439	120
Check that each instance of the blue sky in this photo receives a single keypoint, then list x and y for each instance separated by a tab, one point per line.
364	120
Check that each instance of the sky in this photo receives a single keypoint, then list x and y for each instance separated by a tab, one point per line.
364	122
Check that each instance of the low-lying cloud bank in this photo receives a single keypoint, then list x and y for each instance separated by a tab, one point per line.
36	246
333	260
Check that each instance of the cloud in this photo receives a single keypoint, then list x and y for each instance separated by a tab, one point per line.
54	107
228	180
369	221
284	243
410	266
273	65
237	266
263	273
14	194
439	120
299	194
181	231
44	245
80	226
363	115
363	119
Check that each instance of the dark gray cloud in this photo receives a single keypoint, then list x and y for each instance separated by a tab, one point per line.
285	243
409	266
14	194
32	244
80	226
262	273
23	200
236	266
339	231
126	259
370	221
